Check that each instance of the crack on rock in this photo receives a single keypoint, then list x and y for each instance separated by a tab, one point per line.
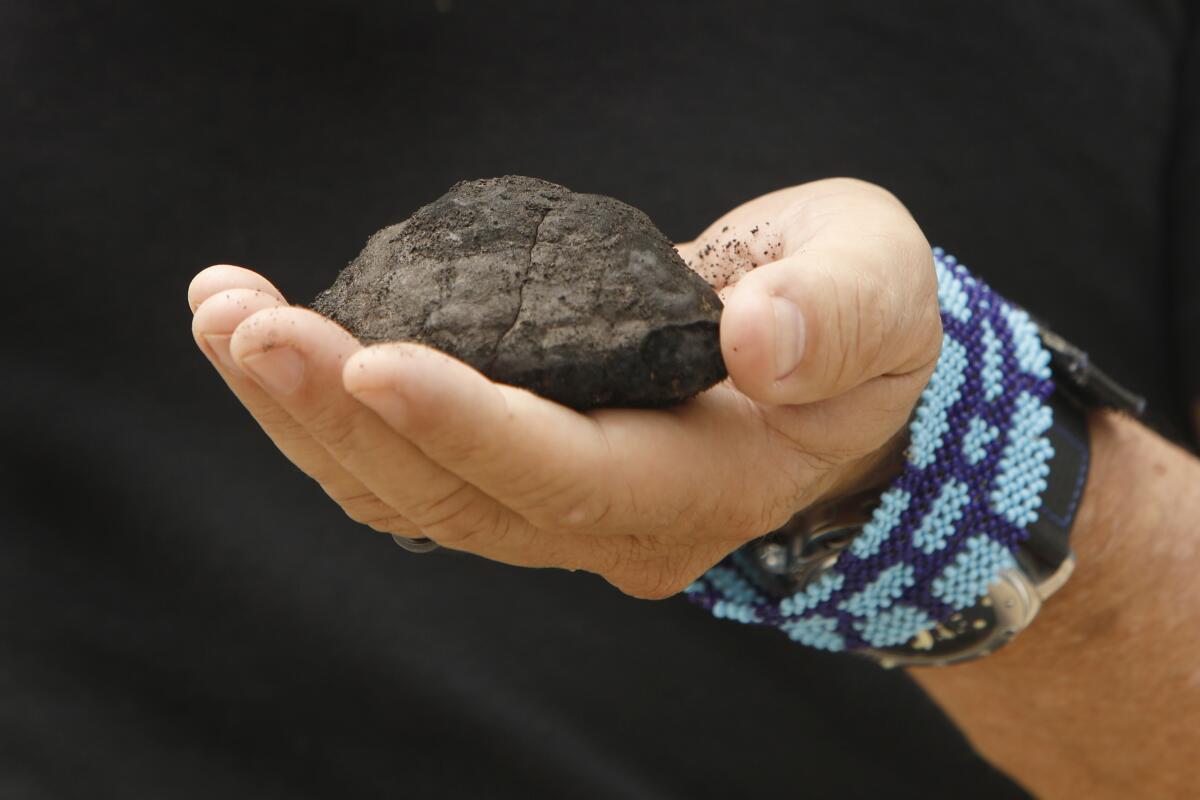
605	318
512	324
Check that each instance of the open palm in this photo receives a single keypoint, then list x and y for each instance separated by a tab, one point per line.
830	331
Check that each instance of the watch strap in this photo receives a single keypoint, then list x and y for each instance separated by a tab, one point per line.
1049	535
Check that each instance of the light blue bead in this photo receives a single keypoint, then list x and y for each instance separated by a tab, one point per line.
732	585
993	359
814	595
973	570
1016	490
952	297
815	631
880	593
1032	356
892	505
944	390
979	435
940	522
894	626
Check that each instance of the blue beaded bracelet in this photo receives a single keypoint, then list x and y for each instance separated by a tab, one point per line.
974	474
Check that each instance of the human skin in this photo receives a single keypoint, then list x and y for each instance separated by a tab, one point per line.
410	441
1099	698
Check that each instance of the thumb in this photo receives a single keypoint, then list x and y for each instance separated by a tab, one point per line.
820	322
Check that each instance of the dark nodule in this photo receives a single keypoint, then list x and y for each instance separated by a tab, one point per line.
577	297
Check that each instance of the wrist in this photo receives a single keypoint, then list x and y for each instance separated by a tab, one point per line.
1059	706
1121	546
944	530
1094	533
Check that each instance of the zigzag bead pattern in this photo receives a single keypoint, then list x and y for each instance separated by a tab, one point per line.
974	474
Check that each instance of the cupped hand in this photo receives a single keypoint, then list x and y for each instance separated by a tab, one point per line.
830	332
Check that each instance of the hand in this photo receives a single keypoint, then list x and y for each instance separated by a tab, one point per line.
830	332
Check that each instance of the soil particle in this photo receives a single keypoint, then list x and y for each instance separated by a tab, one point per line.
577	297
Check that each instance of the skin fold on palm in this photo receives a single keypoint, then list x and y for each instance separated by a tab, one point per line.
830	331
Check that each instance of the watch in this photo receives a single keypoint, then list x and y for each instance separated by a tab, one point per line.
794	557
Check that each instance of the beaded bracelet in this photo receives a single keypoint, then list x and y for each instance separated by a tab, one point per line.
974	474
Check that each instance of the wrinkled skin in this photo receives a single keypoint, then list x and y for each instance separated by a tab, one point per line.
830	332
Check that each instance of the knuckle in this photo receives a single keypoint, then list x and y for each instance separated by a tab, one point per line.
877	197
459	518
446	508
872	307
654	585
650	591
367	509
280	422
393	524
642	567
854	328
844	183
863	194
919	324
930	338
363	507
866	188
333	427
473	528
321	470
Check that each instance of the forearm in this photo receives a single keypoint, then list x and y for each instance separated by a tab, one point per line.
1101	695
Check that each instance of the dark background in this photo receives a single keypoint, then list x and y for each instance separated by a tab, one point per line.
183	614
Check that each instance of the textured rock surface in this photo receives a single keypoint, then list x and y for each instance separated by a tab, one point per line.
577	297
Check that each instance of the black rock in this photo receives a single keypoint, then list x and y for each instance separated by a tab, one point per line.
577	297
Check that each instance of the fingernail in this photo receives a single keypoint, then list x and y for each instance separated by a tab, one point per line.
218	343
789	336
388	404
280	369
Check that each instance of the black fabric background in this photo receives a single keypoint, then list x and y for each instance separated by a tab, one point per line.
183	614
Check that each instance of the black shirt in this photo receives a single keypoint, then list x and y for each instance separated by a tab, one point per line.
186	615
